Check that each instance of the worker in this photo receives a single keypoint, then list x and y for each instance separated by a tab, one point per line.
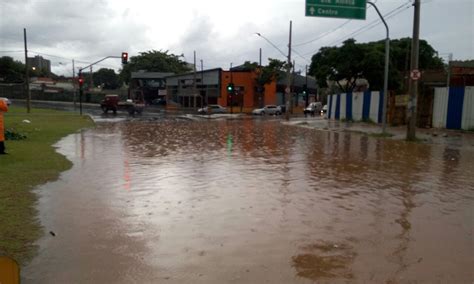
3	108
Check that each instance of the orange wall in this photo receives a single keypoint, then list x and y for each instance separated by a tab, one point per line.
246	80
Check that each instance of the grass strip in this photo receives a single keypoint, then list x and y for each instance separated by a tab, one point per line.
30	162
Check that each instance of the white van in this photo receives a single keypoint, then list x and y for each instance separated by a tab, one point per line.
313	108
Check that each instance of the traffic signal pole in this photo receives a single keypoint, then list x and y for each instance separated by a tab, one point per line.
124	61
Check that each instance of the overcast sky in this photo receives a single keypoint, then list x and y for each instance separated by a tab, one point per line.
220	32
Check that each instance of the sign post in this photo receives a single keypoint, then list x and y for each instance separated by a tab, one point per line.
348	9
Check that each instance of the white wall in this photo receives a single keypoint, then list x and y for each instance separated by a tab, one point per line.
357	104
374	107
440	108
468	109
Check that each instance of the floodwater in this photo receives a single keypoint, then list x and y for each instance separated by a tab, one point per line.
254	201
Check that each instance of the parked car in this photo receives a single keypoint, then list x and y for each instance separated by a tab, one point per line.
324	109
282	108
159	102
210	109
6	100
268	109
313	108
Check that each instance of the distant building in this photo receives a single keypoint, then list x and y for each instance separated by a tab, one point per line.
39	63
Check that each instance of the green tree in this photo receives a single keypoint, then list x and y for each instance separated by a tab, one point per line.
107	78
266	74
352	61
154	61
11	71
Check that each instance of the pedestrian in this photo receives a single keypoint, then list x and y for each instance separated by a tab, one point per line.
3	108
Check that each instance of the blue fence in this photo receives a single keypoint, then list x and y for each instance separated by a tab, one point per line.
366	106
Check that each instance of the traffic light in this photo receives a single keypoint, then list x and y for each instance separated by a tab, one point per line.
81	81
124	57
230	87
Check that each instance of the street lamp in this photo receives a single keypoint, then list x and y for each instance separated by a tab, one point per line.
288	68
271	43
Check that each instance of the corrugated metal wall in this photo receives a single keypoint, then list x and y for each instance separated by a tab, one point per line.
440	108
356	106
468	109
454	110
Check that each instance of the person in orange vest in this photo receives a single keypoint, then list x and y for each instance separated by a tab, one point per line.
3	108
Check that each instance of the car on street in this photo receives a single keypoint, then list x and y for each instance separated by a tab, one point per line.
282	108
313	108
268	109
324	109
210	109
6	100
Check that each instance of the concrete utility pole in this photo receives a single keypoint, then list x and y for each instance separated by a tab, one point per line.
288	76
385	80
194	80
448	79
202	85
27	76
231	94
306	86
74	85
411	126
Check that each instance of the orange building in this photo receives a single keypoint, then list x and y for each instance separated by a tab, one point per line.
246	94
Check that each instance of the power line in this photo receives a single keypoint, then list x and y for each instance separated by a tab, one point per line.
371	25
375	23
322	35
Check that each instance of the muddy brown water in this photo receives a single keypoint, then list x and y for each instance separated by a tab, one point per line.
254	201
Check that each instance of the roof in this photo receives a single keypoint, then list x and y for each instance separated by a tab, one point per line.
298	80
150	75
191	73
467	63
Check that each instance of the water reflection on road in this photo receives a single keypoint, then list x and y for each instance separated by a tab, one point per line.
254	201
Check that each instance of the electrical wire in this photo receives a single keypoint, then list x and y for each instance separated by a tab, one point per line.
371	25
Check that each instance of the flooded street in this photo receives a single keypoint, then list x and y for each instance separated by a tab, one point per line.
254	201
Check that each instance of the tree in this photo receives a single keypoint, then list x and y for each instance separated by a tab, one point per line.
11	71
352	61
266	74
107	78
154	61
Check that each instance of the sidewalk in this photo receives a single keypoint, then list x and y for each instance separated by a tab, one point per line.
456	138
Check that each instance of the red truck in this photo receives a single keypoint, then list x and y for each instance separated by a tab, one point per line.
113	103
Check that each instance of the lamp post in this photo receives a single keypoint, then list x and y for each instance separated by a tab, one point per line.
288	69
385	80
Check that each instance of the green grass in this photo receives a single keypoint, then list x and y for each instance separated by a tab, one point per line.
30	162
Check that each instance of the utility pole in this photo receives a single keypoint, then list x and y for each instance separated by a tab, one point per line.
27	76
259	87
288	76
194	80
74	85
91	80
231	94
202	85
450	58
306	86
411	126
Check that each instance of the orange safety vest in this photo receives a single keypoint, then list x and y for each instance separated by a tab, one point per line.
3	108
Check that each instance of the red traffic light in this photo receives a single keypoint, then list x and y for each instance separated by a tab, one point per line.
81	81
124	57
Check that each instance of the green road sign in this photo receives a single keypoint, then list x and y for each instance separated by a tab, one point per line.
348	9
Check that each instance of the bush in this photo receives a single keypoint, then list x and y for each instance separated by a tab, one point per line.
12	134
